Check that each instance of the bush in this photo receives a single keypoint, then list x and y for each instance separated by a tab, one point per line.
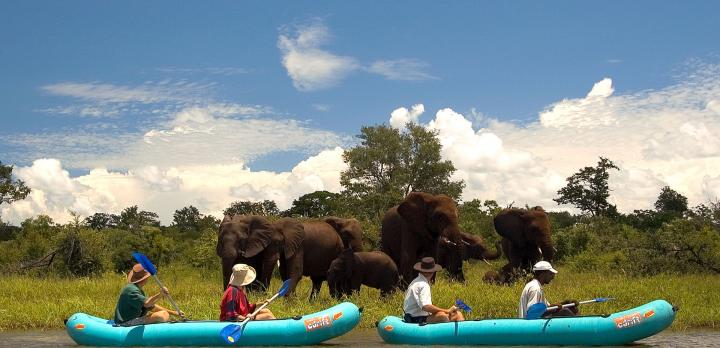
82	252
201	253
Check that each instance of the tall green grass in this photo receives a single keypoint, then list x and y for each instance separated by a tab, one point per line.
43	303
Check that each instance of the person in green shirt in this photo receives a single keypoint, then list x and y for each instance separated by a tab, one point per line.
134	308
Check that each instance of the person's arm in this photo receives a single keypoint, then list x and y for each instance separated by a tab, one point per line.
158	307
150	301
432	309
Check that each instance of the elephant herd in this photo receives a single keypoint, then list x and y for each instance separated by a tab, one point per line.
421	225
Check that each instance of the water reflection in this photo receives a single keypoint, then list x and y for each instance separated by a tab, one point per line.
363	338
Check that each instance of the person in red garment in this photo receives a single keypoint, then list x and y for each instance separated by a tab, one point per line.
234	305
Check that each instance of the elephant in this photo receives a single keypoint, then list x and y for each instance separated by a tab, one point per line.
370	268
349	230
526	239
253	240
321	245
473	247
411	230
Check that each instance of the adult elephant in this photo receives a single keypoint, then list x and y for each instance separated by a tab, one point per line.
411	230
473	247
526	239
351	269
321	245
253	240
349	230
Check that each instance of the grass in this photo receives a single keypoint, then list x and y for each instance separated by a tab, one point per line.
42	303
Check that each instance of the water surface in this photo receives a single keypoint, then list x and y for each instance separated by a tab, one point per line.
363	338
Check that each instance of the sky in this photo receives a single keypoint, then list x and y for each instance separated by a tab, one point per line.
165	104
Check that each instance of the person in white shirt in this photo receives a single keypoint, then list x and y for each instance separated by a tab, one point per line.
418	305
543	273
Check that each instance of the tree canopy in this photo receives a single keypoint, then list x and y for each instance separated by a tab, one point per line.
266	207
388	164
315	204
672	202
588	189
11	190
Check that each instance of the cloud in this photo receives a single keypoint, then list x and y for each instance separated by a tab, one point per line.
321	107
656	137
149	92
401	116
401	69
310	67
210	188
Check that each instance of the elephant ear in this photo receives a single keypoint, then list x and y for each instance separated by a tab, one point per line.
293	233
415	207
260	236
335	222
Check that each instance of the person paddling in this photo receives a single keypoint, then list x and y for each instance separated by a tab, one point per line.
234	305
418	305
134	308
543	273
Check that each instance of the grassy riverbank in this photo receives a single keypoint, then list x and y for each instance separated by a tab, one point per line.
43	303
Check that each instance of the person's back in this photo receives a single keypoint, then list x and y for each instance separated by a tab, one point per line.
131	304
532	293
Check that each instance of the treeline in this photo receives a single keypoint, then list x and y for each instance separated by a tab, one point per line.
382	169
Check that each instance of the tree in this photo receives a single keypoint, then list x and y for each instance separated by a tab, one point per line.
315	204
11	190
389	164
188	220
101	221
133	219
588	189
265	208
671	202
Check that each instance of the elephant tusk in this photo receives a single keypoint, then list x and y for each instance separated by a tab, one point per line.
466	243
486	261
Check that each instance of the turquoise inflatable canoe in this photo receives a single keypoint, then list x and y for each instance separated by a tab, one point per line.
313	328
615	329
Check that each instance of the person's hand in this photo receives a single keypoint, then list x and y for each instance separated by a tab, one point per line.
263	303
179	314
452	309
240	317
165	291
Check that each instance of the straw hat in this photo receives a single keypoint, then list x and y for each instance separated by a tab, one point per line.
137	274
242	275
427	264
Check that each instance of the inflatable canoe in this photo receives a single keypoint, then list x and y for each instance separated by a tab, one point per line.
310	329
615	329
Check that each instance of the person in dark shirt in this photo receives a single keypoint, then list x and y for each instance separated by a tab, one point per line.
134	308
234	305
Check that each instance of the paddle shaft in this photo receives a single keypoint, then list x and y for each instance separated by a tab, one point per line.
160	284
567	305
257	310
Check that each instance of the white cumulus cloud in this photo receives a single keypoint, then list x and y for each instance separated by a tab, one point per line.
401	116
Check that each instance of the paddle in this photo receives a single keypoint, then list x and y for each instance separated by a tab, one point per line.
462	305
537	310
232	332
150	268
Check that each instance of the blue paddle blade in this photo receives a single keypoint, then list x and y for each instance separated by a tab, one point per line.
144	262
462	305
285	287
536	311
231	333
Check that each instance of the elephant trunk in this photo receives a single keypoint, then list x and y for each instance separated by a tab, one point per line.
546	247
488	255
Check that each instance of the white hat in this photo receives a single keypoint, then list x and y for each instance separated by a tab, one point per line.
544	266
242	275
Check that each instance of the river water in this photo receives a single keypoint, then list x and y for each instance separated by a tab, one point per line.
364	338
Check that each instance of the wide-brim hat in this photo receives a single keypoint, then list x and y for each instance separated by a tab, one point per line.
427	264
137	274
242	275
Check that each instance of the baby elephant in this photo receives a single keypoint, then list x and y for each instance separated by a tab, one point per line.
370	268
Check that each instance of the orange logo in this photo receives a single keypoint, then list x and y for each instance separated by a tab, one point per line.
337	316
628	320
649	313
317	323
79	326
388	328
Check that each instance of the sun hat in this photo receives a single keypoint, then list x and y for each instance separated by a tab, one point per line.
242	275
427	264
137	274
544	266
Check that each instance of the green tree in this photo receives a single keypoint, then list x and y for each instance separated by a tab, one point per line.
671	202
588	189
265	208
388	164
189	221
11	190
131	218
102	221
315	204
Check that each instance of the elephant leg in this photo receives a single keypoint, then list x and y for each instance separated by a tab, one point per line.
294	270
316	285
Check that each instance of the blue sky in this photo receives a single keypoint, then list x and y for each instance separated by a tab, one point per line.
154	87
